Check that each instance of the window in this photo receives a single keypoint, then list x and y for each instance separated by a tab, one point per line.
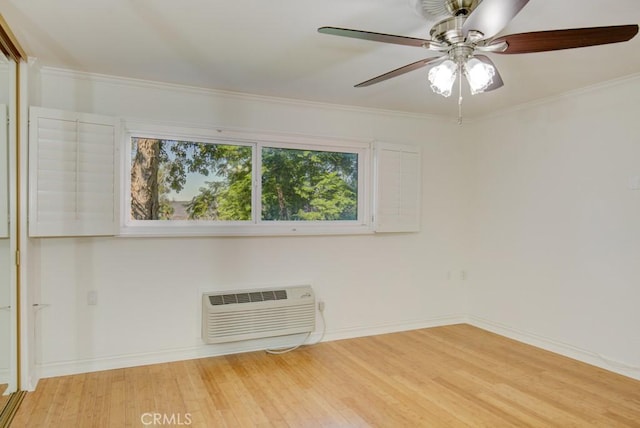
174	181
307	185
185	180
235	183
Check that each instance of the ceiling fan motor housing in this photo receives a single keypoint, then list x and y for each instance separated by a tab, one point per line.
449	30
461	7
435	10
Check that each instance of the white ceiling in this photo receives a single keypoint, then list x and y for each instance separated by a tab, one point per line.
272	47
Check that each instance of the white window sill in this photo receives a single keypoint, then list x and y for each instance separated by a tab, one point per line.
244	230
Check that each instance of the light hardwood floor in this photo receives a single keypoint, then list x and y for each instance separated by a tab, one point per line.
447	376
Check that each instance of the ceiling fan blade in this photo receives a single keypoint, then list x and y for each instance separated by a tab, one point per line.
402	70
544	41
491	16
376	37
497	79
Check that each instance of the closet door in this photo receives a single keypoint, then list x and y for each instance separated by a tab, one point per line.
4	173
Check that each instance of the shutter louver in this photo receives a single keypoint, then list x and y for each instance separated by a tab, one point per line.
72	174
397	198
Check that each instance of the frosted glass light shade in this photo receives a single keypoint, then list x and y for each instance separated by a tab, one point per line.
442	78
479	75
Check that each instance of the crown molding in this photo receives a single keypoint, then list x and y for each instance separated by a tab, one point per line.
586	90
242	96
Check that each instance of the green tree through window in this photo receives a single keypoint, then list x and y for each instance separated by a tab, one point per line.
162	167
309	185
297	185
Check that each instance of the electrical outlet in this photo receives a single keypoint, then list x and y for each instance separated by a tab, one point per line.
463	275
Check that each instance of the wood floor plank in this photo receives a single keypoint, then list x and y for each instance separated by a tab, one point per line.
117	403
453	376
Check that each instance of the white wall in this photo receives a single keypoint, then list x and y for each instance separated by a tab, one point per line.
556	257
534	203
149	289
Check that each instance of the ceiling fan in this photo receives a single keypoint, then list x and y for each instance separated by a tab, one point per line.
470	31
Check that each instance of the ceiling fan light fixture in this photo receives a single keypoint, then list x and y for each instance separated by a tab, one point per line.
469	27
442	78
479	75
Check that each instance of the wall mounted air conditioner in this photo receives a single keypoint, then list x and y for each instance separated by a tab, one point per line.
254	314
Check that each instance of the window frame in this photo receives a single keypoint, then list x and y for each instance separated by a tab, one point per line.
256	226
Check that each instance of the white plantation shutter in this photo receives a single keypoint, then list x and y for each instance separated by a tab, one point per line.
397	193
4	174
72	174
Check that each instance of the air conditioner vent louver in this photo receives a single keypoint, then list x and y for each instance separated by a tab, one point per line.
263	296
252	314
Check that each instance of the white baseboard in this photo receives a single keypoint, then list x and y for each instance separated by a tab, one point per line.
362	331
552	345
204	351
64	368
5	375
